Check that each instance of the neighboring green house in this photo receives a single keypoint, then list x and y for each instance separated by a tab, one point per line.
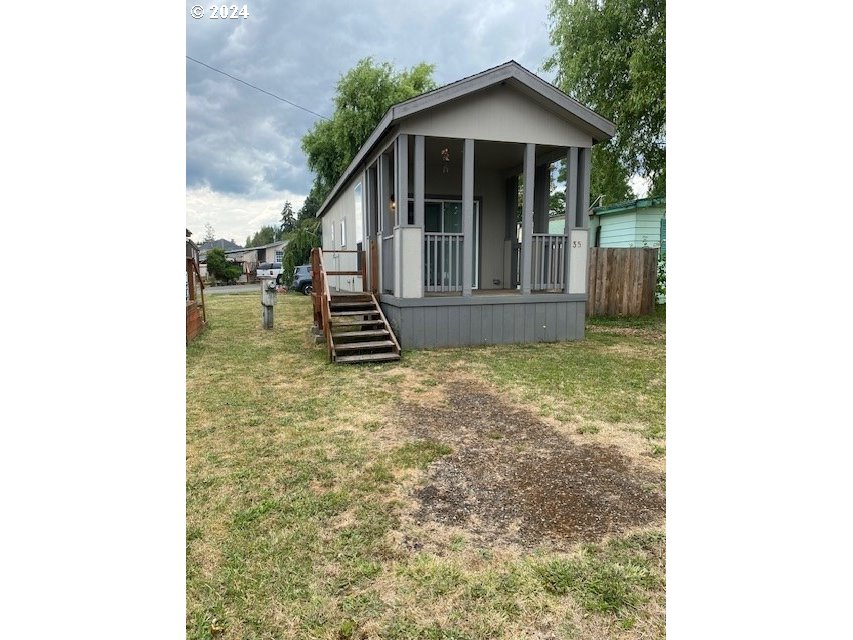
636	223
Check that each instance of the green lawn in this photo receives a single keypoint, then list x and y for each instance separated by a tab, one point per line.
298	479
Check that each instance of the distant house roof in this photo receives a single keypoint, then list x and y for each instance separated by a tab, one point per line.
266	246
527	82
222	243
237	254
619	207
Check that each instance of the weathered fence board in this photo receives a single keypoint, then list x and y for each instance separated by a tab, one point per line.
621	281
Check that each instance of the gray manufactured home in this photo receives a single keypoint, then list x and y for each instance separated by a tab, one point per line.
425	218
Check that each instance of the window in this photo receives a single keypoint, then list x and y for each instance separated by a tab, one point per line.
279	256
343	233
359	213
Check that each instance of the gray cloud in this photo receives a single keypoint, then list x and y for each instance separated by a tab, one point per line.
244	144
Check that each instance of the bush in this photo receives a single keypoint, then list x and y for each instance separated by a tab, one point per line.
660	289
219	267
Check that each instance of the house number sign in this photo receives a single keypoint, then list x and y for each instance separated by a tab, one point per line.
577	266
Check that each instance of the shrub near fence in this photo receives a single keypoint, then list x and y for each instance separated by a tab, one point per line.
621	282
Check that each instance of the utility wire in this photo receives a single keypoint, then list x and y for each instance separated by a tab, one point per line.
292	104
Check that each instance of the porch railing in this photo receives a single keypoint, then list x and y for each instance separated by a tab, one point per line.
548	261
443	261
321	295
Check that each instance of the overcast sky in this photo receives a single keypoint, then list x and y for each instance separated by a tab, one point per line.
243	147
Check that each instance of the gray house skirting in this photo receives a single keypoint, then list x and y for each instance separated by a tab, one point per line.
455	321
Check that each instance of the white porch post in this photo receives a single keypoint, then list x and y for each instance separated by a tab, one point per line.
527	217
571	210
579	233
397	258
467	216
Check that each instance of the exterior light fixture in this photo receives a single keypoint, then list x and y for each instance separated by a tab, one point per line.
392	204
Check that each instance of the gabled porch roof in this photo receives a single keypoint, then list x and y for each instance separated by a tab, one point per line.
511	73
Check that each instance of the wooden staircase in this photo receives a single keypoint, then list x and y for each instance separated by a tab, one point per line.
359	331
353	324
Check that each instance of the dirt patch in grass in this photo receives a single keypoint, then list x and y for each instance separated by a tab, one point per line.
512	478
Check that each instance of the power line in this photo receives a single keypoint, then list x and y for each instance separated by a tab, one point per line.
292	104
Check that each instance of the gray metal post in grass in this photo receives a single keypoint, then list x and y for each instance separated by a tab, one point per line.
268	298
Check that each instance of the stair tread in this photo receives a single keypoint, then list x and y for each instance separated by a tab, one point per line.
347	305
370	333
369	357
350	346
351	320
365	312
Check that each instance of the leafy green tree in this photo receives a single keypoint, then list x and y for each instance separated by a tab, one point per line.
312	204
611	55
298	250
267	235
609	178
363	96
288	219
219	267
209	234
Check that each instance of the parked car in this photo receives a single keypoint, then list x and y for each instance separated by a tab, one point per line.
271	270
302	281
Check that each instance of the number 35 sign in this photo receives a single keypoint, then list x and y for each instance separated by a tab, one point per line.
577	261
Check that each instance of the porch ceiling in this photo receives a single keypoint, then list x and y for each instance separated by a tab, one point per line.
501	156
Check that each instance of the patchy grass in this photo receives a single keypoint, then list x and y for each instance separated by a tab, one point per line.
655	322
616	377
614	578
294	500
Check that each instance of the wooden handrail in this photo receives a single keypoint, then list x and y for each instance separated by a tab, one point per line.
201	283
323	271
322	295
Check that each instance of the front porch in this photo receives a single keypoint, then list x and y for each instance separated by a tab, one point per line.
468	223
468	259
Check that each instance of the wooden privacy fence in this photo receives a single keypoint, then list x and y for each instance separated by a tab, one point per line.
621	281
